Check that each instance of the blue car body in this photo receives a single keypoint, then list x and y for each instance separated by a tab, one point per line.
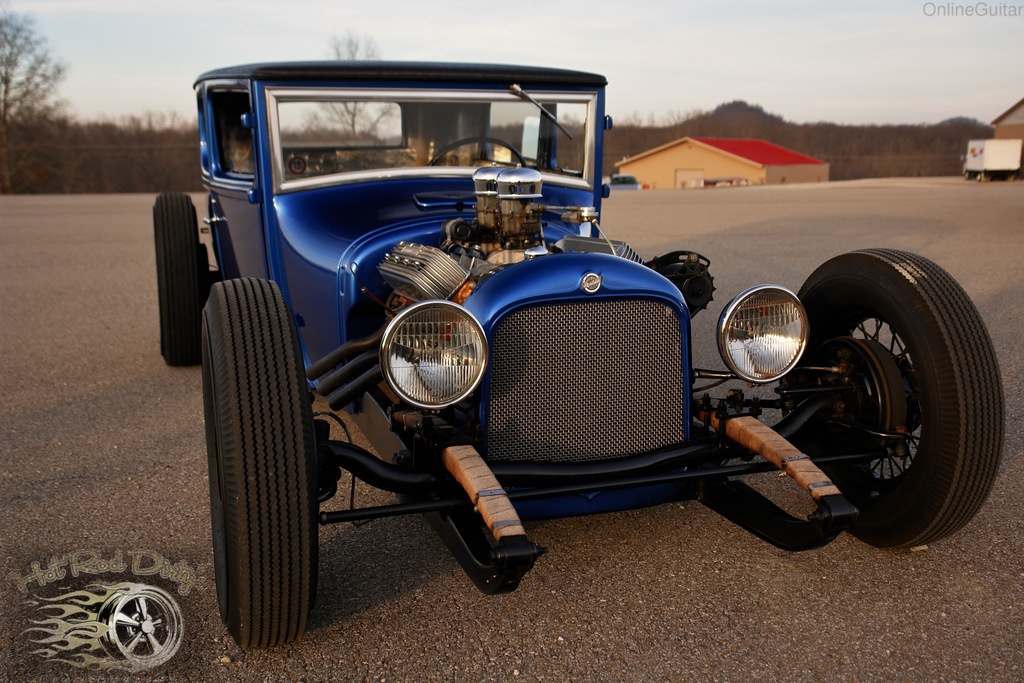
321	245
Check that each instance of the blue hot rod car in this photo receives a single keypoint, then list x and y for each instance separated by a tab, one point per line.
420	245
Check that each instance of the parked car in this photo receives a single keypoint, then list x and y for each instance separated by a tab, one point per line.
624	182
420	245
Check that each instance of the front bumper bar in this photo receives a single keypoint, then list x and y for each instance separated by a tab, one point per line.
480	527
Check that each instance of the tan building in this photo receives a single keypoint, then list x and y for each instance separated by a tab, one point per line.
1010	124
704	162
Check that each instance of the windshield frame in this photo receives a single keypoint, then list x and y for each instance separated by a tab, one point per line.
277	94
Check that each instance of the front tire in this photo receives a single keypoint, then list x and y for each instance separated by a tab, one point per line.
950	378
262	462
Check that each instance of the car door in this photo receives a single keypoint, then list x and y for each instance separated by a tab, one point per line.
234	212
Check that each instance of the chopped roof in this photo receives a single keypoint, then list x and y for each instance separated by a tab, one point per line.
364	70
759	151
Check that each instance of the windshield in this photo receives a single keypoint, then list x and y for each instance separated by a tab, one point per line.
325	136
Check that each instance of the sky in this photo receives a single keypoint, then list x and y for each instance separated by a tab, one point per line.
852	62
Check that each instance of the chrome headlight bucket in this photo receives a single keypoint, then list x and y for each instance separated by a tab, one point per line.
762	333
433	354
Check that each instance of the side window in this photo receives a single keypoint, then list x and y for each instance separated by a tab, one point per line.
234	142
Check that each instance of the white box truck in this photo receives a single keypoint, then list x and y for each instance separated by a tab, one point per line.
987	159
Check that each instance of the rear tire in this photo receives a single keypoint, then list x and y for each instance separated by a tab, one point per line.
262	461
183	278
954	395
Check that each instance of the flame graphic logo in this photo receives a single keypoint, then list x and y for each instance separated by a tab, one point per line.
128	626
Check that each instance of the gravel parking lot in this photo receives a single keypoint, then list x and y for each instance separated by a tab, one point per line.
103	470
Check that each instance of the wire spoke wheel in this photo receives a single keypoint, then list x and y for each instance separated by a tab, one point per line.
894	466
926	369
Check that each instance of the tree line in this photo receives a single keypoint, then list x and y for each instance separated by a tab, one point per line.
149	153
159	153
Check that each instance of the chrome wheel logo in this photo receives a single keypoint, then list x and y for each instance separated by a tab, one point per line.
591	283
123	626
107	624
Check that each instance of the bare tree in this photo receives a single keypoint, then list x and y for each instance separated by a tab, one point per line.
29	76
353	46
355	120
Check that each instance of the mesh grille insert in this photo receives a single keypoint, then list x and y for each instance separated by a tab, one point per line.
585	381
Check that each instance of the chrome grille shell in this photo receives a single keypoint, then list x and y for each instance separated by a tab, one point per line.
587	380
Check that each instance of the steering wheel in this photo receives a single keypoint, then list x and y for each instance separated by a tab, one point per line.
477	138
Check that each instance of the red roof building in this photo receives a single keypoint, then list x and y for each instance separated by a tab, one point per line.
713	162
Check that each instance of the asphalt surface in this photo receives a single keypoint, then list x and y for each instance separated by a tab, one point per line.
102	452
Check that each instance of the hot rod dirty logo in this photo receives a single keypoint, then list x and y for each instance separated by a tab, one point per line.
109	623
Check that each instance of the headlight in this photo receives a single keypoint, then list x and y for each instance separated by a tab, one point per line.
762	333
433	354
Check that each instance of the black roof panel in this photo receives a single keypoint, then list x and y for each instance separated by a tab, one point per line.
360	70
